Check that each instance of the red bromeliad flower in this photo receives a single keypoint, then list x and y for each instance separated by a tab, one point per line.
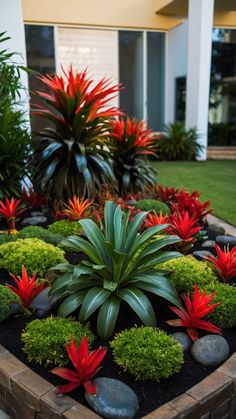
76	208
33	198
86	365
27	288
190	202
184	226
9	211
225	265
154	219
195	310
165	194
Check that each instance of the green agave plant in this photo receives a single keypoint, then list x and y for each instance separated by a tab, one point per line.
113	274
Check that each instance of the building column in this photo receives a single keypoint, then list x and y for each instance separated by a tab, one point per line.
200	23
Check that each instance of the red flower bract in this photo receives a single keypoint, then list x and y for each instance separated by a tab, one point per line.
165	194
27	288
86	366
184	226
225	265
154	219
33	198
191	204
76	208
9	211
195	310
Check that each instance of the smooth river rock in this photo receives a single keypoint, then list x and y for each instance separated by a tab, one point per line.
208	243
183	339
43	303
214	230
34	221
114	399
225	240
201	254
210	350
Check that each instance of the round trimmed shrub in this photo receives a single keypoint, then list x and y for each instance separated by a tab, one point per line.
35	254
152	205
44	340
147	353
187	271
65	228
224	315
7	298
39	233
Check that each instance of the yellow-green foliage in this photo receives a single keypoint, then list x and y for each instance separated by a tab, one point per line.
35	254
65	228
187	271
7	297
147	353
44	340
152	205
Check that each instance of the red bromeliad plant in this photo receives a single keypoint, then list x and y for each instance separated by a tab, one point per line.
86	366
184	226
225	264
33	198
77	208
190	202
165	194
154	219
27	288
195	309
9	210
132	144
72	157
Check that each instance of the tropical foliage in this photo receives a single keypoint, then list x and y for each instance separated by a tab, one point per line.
26	288
225	263
10	211
112	274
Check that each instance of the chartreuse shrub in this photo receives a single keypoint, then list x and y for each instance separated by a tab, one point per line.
44	340
35	254
187	271
7	298
224	315
147	353
113	275
152	205
65	228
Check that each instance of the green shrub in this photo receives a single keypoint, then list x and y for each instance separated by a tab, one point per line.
40	233
152	205
147	353
35	254
187	271
224	315
7	297
44	340
65	228
6	238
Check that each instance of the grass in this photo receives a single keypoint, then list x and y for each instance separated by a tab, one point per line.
215	179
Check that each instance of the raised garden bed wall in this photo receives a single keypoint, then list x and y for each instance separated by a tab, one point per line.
25	395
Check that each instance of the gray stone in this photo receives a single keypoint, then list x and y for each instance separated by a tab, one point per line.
208	243
183	339
43	301
33	221
36	214
15	308
201	254
40	313
211	350
225	240
214	230
113	399
4	415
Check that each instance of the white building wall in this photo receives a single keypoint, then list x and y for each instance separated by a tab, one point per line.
176	65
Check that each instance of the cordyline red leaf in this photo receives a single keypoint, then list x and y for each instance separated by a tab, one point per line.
76	208
165	194
86	366
184	226
225	264
33	198
194	311
154	219
27	288
190	202
9	211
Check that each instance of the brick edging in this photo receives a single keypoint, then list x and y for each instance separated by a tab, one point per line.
24	394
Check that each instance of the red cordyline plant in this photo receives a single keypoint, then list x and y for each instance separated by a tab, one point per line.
77	208
225	263
195	309
9	210
86	366
72	157
190	202
132	142
27	288
154	219
33	198
184	226
165	194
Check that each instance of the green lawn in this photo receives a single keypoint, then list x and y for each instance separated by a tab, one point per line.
215	179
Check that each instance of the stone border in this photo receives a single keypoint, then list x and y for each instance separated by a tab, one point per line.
26	395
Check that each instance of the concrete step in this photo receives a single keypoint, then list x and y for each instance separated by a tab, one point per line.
221	153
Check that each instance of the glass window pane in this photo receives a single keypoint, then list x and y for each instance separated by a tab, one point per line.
155	79
131	72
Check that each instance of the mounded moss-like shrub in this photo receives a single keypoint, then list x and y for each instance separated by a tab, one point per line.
147	353
35	254
152	205
65	228
7	298
44	340
6	238
224	315
39	233
187	271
